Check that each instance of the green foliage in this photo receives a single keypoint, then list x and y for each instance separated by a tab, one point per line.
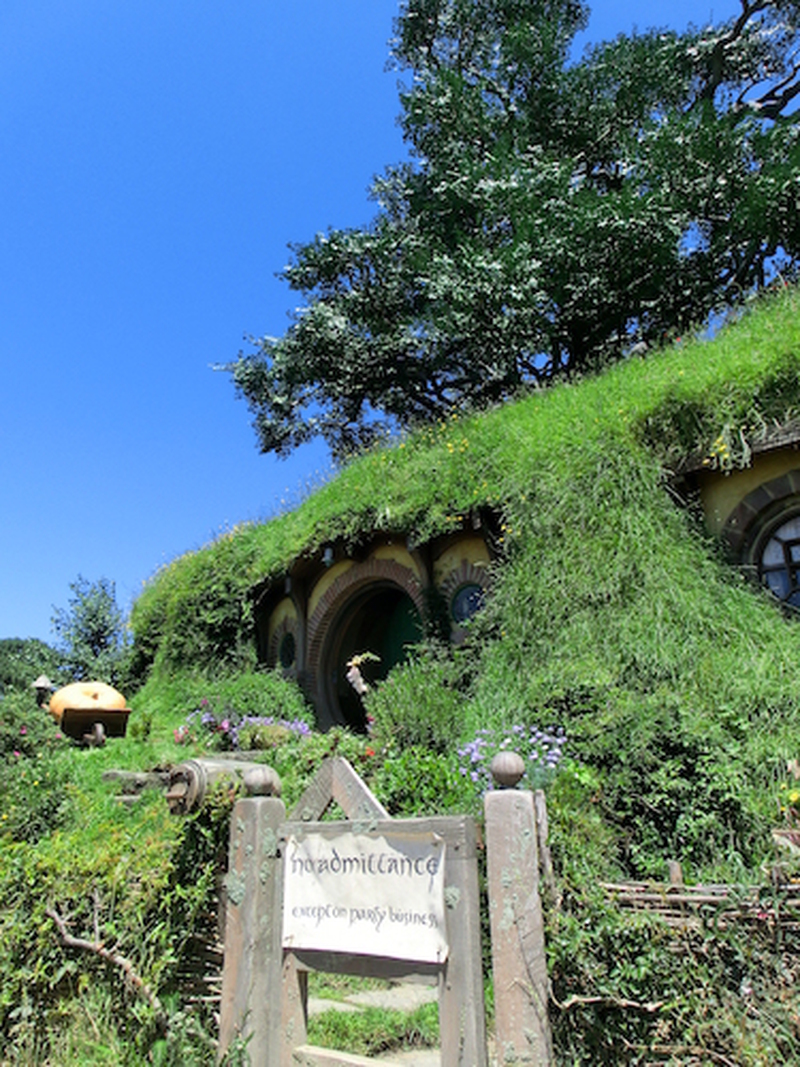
420	703
416	781
611	616
91	632
373	1031
136	879
179	701
34	794
22	661
178	630
704	995
555	215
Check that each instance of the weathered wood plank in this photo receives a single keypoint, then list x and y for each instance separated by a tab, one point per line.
462	1021
457	832
368	966
294	1008
545	857
353	796
311	1056
337	781
517	927
251	978
317	797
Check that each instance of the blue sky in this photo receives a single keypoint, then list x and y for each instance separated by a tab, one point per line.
158	157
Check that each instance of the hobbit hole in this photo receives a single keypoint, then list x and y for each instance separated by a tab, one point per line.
369	603
367	607
381	622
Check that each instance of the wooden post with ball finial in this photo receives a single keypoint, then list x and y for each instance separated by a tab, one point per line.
515	915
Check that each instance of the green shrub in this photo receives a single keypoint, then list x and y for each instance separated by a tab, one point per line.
415	781
22	661
169	699
373	1031
34	798
421	702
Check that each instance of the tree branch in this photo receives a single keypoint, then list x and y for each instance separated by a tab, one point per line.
613	1002
117	960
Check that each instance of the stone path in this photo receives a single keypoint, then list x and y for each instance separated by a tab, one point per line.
404	996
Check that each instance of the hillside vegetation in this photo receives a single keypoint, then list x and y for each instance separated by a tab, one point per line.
612	614
613	620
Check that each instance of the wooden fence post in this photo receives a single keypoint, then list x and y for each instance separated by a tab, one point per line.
517	927
251	975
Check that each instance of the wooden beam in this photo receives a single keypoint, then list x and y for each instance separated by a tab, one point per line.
311	1056
337	781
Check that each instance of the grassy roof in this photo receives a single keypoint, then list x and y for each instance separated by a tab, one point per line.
612	613
612	616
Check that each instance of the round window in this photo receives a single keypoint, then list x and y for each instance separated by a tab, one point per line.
467	600
287	651
778	558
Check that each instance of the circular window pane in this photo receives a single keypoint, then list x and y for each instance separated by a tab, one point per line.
466	602
287	651
779	560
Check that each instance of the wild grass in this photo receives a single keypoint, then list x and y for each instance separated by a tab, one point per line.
373	1031
612	616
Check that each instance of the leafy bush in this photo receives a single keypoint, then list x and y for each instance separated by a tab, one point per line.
22	661
34	795
373	1031
421	702
415	781
169	699
540	751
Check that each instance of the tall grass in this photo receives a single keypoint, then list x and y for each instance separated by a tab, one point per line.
612	616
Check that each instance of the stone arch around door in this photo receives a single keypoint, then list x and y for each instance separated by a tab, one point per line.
372	603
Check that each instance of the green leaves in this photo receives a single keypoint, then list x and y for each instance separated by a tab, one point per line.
91	631
555	214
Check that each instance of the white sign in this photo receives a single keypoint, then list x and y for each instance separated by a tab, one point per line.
366	894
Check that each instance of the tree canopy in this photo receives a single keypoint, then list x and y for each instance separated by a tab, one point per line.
553	215
91	631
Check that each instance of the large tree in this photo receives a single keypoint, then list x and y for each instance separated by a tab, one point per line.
553	214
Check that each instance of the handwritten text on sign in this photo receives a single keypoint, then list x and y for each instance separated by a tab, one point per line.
366	894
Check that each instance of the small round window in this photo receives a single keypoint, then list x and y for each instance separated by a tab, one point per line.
778	558
467	600
287	651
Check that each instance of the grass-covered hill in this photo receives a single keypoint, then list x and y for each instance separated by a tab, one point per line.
613	620
613	615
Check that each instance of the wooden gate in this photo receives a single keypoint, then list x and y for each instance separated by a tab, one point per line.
265	984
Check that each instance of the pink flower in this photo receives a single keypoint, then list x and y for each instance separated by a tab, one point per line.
23	730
